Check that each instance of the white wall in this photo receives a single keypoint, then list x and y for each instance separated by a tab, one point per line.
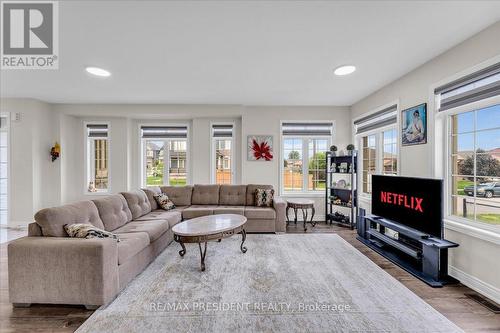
67	125
34	179
475	262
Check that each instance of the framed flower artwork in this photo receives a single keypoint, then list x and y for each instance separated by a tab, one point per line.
260	148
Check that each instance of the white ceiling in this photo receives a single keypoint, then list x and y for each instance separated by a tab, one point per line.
251	53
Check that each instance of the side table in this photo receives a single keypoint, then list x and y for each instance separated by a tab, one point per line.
303	205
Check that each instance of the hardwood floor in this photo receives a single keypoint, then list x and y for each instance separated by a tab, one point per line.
450	300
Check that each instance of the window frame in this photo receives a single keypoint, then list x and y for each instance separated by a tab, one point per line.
305	153
446	118
213	176
88	154
7	115
142	150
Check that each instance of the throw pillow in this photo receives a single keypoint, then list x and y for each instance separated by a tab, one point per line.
264	198
163	201
83	230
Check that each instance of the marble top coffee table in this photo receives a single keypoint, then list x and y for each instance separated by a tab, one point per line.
209	228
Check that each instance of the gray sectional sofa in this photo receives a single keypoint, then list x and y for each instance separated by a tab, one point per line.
50	267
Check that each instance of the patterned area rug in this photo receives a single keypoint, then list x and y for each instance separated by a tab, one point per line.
284	283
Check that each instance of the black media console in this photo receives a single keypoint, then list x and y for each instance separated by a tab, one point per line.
421	254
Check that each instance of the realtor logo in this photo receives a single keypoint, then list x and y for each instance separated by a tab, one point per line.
29	35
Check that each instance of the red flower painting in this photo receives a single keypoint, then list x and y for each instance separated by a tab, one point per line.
261	148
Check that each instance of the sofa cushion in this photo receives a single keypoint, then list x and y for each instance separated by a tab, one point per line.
173	217
114	211
130	244
251	192
154	228
150	192
197	211
232	195
260	213
180	195
205	195
138	203
52	220
240	210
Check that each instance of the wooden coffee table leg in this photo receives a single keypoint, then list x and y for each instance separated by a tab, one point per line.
243	237
202	255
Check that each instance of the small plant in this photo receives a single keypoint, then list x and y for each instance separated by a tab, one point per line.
350	147
333	148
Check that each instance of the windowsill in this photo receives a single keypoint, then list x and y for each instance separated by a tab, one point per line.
98	193
474	229
303	194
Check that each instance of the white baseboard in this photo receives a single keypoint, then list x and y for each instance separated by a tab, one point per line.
475	284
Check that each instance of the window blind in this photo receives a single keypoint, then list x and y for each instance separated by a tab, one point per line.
470	88
307	129
164	132
222	131
97	130
384	117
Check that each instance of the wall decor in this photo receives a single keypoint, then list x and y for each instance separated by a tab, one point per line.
55	151
260	148
414	125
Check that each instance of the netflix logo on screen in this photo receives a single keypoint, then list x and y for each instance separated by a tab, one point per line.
414	202
404	200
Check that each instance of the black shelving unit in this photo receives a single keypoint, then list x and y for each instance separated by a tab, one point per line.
337	168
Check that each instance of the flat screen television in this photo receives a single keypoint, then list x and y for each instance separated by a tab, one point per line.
414	202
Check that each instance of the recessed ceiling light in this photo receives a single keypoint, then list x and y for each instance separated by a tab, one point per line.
98	71
344	70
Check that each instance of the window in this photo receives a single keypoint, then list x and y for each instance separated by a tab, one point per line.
222	150
369	161
475	164
471	108
303	158
164	155
378	138
97	158
390	145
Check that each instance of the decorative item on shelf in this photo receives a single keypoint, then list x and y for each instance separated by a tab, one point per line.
350	168
260	148
341	184
350	148
343	167
349	203
333	167
333	149
91	187
339	217
55	151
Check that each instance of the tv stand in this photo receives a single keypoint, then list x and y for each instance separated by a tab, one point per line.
421	254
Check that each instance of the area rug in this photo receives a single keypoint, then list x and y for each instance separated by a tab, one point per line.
284	283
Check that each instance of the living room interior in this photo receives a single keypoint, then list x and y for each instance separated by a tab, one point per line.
250	166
